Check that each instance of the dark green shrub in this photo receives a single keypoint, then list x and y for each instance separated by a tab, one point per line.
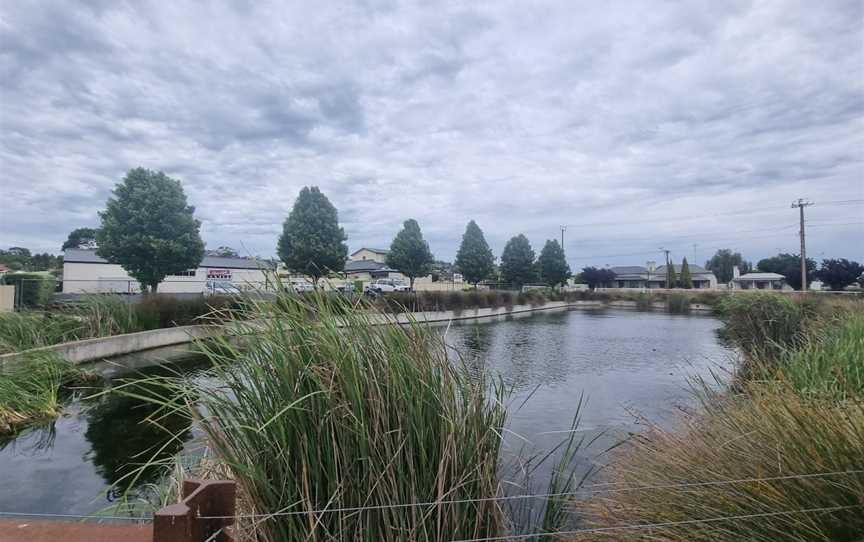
762	324
678	303
644	301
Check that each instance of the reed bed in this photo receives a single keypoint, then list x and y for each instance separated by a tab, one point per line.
797	409
30	389
323	409
771	431
352	430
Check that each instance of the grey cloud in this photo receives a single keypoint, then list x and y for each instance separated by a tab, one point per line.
523	117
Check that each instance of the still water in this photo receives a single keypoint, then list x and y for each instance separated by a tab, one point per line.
628	365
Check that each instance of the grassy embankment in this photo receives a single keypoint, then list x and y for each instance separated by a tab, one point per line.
319	409
796	408
101	315
32	387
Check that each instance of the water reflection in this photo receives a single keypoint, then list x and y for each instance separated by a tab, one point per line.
126	445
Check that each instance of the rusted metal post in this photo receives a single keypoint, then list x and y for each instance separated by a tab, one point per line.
208	508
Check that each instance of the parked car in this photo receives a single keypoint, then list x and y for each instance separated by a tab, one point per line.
302	286
383	286
222	287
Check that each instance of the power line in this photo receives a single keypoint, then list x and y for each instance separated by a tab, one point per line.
580	491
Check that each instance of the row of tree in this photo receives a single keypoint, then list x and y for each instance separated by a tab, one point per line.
149	229
313	243
21	259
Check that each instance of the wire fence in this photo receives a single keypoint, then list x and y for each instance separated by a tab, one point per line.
593	489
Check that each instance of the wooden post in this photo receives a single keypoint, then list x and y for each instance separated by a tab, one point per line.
183	522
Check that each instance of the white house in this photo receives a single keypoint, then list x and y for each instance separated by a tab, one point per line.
370	254
759	281
84	271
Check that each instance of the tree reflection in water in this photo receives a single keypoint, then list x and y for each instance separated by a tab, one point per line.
127	449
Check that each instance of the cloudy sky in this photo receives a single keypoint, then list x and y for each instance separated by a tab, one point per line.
687	125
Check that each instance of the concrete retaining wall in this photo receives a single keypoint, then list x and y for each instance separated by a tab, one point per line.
108	347
117	345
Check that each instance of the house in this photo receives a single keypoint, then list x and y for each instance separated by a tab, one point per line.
84	271
373	254
651	276
3	269
758	281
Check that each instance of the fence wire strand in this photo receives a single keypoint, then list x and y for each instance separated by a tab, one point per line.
580	491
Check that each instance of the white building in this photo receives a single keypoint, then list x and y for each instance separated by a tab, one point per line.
84	271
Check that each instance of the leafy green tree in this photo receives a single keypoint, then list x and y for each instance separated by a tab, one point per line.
223	252
80	238
723	262
474	259
686	280
554	269
671	279
409	252
149	228
594	277
788	265
312	242
839	273
517	262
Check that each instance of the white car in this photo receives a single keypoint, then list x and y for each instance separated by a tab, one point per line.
383	286
302	286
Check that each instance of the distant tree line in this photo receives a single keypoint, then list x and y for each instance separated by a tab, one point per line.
150	230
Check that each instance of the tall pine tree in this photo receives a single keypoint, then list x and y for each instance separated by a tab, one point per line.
312	242
686	278
517	262
409	252
554	269
671	279
474	259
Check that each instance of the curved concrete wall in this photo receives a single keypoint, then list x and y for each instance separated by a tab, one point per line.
118	345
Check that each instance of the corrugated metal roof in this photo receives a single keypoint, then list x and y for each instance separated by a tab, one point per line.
78	255
358	266
760	276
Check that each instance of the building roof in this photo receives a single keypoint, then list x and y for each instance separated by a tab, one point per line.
359	266
694	269
760	276
382	251
80	255
629	270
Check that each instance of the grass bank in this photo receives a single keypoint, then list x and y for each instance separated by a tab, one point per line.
778	457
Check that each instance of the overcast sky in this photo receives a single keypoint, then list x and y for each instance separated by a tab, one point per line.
639	125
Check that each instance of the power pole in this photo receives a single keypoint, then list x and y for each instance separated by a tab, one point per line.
666	252
563	229
800	204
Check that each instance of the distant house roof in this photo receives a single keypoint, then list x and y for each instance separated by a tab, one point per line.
79	255
694	269
760	276
632	272
359	266
3	268
382	251
629	270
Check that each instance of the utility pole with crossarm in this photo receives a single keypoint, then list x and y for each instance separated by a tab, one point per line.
800	204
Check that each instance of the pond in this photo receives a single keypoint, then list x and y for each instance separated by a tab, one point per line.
628	364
